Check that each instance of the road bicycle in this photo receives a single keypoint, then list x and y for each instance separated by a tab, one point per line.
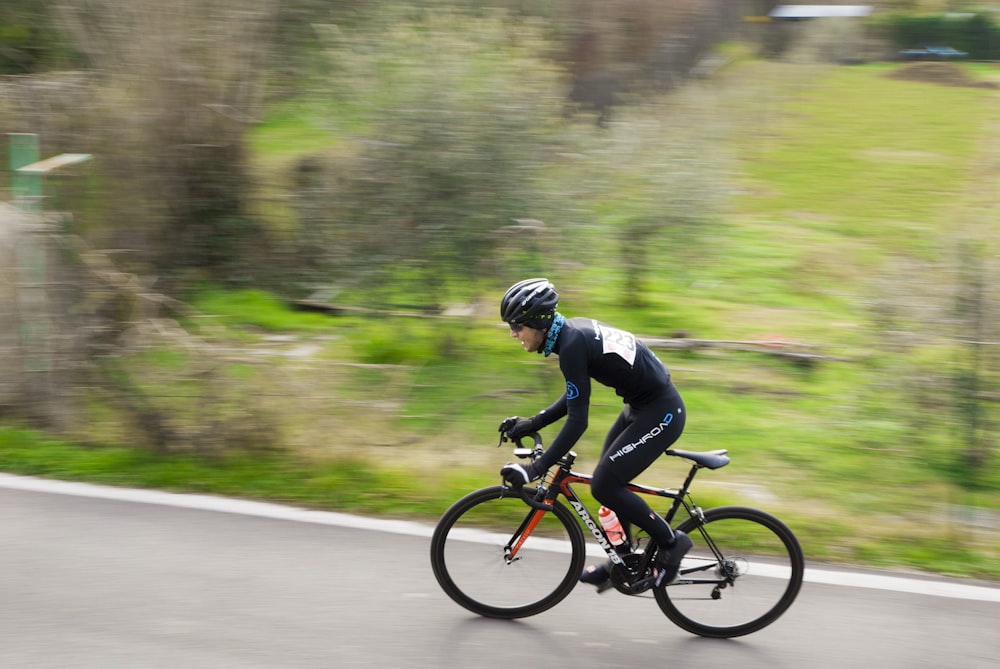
509	553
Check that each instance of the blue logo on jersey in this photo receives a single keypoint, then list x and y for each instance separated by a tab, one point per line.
572	392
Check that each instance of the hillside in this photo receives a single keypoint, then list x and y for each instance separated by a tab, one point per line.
814	247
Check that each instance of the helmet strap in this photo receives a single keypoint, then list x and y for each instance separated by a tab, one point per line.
553	334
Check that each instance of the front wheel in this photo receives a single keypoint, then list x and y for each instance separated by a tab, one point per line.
477	559
744	570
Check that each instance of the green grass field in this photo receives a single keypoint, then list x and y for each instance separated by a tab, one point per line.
847	193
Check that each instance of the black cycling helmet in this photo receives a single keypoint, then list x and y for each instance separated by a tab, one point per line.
531	302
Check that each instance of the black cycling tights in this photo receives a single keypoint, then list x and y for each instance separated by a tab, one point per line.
635	441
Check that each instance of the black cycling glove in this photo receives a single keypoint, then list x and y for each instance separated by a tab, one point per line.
517	427
517	475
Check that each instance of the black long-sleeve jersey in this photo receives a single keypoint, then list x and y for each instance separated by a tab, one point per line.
588	349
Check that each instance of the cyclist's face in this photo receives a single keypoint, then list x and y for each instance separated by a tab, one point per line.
530	338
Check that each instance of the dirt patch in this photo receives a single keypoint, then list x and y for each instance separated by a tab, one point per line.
945	74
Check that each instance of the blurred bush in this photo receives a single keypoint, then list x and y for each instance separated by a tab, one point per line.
975	33
30	39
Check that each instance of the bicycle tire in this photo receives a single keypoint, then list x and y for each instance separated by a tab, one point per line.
468	558
765	558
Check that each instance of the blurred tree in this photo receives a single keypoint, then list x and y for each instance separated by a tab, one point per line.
164	104
940	358
978	365
175	89
618	49
461	108
296	40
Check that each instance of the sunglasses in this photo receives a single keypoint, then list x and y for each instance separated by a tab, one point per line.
515	327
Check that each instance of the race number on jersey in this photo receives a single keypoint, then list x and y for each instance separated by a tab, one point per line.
617	341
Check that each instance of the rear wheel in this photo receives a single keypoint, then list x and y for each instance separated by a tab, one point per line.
473	559
744	570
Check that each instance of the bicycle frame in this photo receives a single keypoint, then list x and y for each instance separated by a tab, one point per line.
561	485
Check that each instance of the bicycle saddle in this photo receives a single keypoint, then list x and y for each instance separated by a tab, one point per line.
710	459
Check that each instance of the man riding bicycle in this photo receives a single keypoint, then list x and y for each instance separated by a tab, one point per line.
651	421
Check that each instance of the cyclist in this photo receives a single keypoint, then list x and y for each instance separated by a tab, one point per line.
651	421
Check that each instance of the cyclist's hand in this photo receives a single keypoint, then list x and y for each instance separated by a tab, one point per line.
517	475
507	424
517	427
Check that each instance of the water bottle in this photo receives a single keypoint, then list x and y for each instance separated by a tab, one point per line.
613	528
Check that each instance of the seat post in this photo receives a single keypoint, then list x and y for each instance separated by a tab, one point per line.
689	479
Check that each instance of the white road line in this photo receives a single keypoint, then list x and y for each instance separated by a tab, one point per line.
918	586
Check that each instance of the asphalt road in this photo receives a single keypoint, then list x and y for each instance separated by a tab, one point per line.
104	583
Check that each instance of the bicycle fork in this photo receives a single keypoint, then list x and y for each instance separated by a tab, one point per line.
521	534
